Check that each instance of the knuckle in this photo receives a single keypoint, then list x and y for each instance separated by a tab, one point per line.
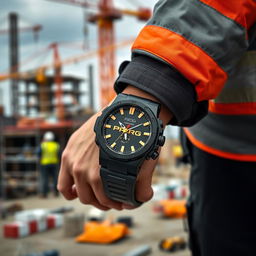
64	156
61	188
64	191
95	177
78	171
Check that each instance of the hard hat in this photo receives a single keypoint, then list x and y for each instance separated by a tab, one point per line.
49	136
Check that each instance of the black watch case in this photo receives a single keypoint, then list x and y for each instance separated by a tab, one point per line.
152	144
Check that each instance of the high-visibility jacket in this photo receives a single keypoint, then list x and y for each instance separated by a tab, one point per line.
49	153
206	41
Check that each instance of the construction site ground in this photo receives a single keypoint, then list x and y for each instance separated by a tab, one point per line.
149	229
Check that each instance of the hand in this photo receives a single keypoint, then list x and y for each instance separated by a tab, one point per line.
80	172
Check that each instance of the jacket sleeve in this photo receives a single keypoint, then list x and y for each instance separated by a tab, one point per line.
185	53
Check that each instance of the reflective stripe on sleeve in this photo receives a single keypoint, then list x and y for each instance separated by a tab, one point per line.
227	136
245	108
198	67
239	11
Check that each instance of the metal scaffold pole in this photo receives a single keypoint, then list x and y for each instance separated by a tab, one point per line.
14	59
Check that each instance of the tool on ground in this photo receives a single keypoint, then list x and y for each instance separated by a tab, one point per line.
172	244
140	251
127	220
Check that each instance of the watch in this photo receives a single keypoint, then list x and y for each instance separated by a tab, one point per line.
127	132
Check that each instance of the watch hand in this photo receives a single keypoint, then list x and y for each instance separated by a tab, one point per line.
121	124
125	129
118	137
136	126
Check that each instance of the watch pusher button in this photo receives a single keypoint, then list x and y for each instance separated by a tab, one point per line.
161	141
155	155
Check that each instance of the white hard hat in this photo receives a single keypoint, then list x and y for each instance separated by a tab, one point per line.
49	136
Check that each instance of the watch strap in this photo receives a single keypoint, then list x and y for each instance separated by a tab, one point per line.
154	106
119	187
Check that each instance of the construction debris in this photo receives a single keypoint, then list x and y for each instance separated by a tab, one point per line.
140	251
172	244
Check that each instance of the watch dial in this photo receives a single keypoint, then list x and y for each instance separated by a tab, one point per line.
127	130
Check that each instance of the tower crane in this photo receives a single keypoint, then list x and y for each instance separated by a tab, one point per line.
39	72
104	17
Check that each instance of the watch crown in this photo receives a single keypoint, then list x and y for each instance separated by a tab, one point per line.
161	141
155	155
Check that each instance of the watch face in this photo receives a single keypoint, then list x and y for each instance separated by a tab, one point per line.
127	130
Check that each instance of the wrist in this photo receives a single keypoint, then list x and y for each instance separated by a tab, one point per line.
165	114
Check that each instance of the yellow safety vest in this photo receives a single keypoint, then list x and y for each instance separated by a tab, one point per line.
50	151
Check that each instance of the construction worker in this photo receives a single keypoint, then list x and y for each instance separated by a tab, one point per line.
49	163
192	54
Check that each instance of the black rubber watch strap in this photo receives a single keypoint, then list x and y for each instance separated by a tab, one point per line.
119	187
154	106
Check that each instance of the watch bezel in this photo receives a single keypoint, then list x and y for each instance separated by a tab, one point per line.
140	153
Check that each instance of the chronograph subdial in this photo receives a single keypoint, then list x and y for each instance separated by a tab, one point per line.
127	130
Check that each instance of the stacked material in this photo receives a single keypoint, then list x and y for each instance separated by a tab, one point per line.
30	222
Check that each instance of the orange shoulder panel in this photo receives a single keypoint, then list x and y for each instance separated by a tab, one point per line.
241	11
189	59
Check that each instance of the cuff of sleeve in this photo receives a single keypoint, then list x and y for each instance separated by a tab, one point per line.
164	83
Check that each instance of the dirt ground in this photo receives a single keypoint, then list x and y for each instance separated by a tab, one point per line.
149	229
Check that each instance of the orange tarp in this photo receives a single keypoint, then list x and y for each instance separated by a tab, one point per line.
103	233
174	208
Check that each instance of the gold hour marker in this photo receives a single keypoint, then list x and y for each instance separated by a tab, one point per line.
113	145
122	149
121	111
108	126
146	133
132	148
142	143
108	136
146	124
113	117
132	110
141	115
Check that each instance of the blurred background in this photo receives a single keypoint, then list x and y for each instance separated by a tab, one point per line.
59	60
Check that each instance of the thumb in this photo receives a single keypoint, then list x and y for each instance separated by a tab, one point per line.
144	191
